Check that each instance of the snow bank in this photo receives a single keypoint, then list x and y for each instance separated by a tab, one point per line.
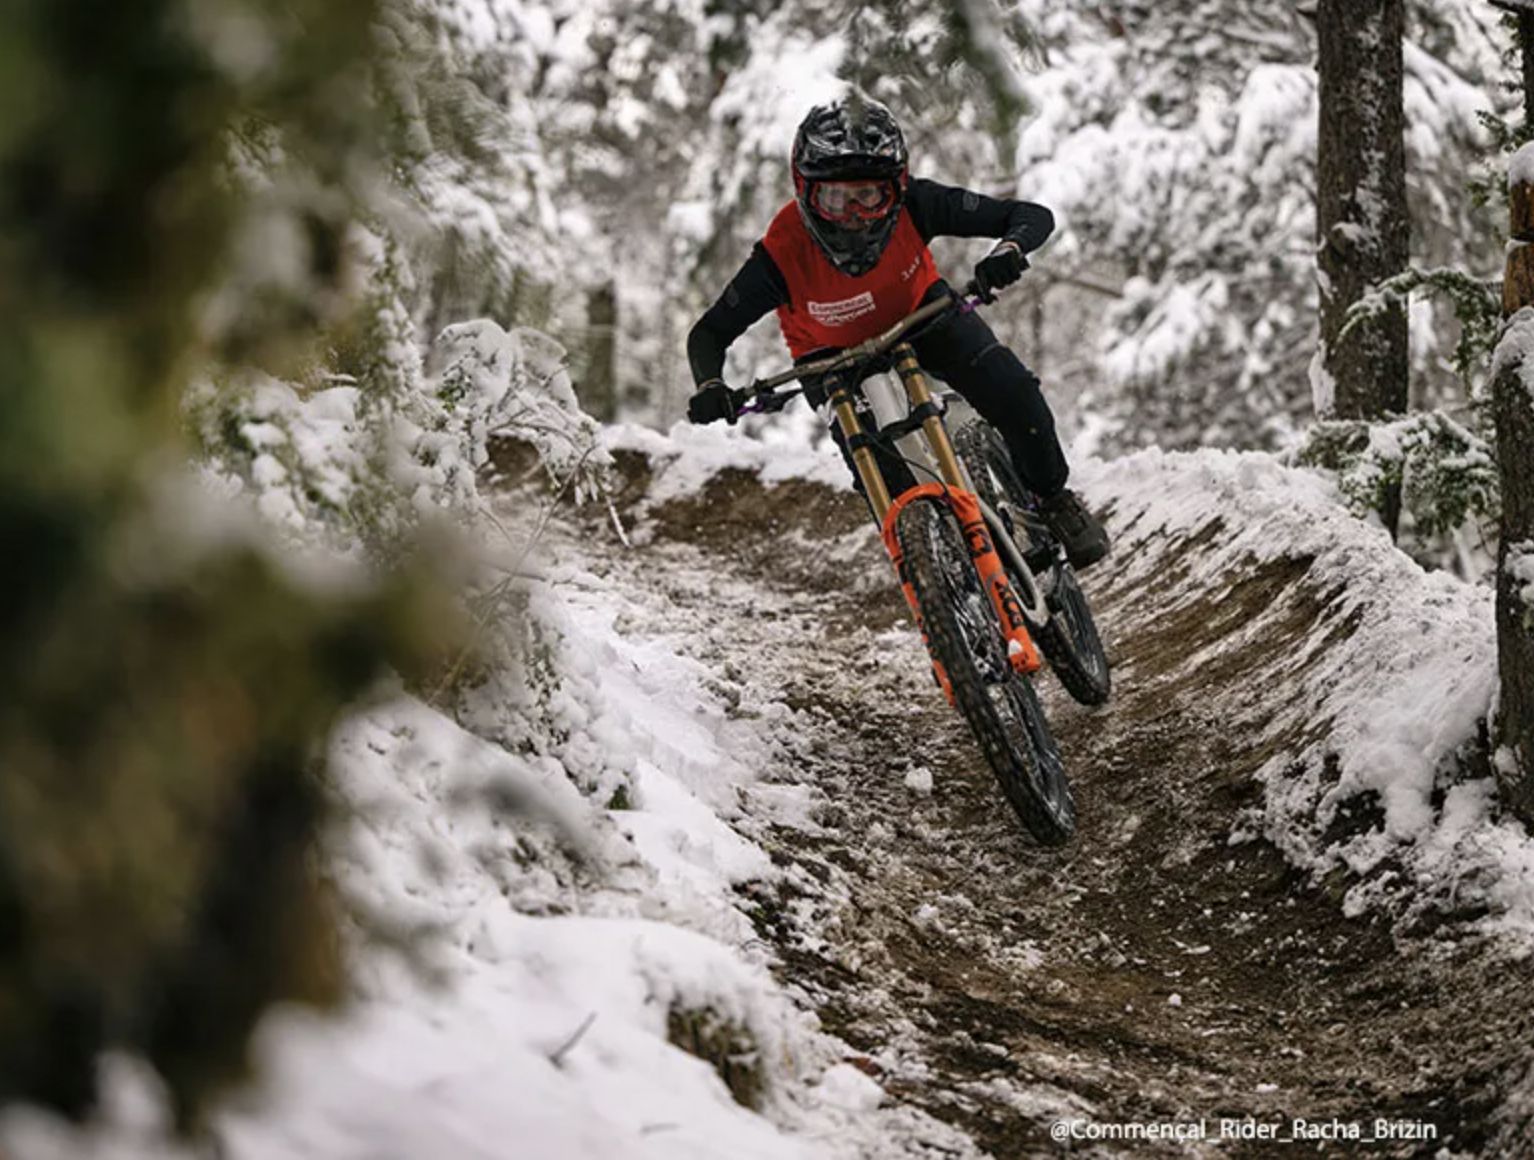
1391	680
548	955
685	458
343	467
554	962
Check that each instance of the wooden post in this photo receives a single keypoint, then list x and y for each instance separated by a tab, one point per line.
1513	410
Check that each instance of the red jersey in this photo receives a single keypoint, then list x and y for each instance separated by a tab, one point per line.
827	308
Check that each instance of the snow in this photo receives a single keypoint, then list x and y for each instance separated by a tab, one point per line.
562	846
562	850
549	939
435	1072
1385	706
918	779
766	101
1177	150
1520	167
1397	697
1519	564
686	457
1323	388
1515	349
847	1087
542	869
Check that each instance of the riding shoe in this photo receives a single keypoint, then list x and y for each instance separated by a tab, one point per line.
1085	540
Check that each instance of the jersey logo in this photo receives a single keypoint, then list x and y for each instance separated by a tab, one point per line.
843	312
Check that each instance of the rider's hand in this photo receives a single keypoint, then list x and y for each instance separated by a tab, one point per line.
712	401
1001	267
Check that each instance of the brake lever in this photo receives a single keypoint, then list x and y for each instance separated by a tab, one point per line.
757	401
773	401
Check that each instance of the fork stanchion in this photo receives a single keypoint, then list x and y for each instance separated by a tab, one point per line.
920	395
860	446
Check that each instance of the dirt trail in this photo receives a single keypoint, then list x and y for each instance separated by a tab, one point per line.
1152	970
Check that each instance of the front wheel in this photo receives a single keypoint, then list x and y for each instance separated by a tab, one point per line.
1000	704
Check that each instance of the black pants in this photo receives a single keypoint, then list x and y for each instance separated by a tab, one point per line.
965	353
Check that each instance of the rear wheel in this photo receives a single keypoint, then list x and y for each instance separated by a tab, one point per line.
999	703
1070	641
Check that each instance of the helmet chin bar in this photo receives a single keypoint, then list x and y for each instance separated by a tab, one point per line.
852	249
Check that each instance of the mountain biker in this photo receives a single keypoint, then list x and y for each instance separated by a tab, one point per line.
848	257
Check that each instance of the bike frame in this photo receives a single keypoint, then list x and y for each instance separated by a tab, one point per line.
982	527
920	401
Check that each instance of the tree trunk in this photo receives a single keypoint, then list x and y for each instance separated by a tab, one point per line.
1513	405
1513	410
1526	49
1362	226
599	383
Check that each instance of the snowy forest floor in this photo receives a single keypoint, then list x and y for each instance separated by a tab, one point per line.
1154	969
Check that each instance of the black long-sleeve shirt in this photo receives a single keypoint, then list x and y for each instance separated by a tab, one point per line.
936	211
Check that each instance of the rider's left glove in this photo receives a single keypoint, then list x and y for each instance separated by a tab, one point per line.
711	402
1001	267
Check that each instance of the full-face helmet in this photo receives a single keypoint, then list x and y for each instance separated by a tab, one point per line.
850	179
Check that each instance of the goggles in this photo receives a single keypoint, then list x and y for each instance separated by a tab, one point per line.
852	201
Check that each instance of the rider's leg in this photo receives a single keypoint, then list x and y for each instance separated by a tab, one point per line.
964	352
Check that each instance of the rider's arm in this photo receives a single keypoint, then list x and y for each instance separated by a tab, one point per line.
948	211
757	287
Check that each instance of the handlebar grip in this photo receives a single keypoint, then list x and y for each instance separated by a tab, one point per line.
738	400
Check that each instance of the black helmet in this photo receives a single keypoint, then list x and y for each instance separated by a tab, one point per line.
850	179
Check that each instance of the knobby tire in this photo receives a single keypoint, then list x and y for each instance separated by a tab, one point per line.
1000	704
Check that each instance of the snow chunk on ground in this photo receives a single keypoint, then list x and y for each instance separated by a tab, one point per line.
919	780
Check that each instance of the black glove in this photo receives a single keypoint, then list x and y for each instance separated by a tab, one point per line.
711	402
1001	267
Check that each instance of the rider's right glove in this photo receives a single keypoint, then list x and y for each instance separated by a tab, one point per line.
1001	267
712	401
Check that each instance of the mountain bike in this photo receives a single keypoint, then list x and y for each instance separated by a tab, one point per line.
980	571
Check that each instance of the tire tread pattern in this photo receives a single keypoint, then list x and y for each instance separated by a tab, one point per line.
946	640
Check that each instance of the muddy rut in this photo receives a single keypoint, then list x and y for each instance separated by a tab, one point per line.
1153	970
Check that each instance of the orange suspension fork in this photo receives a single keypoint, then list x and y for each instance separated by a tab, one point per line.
953	491
1022	654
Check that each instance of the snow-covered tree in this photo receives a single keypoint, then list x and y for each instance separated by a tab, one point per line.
164	682
1177	144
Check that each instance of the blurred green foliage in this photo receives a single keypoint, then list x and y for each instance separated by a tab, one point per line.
163	696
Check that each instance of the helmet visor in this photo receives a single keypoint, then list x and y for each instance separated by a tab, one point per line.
849	202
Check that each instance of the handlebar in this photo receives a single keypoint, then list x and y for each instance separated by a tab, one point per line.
762	395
